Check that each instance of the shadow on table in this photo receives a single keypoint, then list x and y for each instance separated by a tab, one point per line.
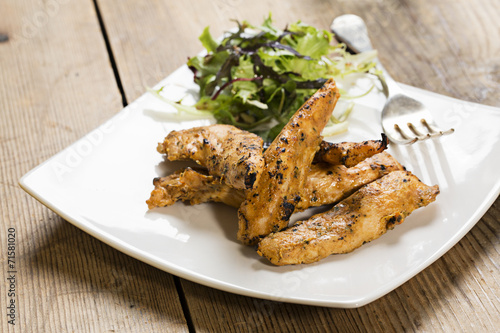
77	267
93	272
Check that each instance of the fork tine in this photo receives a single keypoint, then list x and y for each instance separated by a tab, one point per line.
430	128
434	130
401	132
407	139
417	134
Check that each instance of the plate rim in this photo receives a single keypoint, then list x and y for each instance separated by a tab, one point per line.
174	269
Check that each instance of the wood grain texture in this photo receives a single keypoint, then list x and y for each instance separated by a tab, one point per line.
435	52
56	84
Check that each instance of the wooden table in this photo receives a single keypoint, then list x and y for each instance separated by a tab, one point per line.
67	66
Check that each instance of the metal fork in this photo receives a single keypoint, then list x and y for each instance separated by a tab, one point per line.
404	119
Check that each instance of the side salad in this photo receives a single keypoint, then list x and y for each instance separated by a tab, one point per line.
256	77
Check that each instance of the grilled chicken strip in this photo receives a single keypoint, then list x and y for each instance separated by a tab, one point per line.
362	217
325	184
192	186
233	154
350	153
272	200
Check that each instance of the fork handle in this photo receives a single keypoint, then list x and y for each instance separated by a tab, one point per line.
351	30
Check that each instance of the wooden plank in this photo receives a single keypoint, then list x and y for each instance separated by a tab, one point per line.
441	46
56	84
448	47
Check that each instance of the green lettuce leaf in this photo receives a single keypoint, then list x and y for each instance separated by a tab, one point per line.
258	76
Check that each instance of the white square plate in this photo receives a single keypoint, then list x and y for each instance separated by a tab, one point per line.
101	182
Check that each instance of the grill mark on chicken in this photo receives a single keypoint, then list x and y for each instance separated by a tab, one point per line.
350	153
268	205
226	151
362	217
325	184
